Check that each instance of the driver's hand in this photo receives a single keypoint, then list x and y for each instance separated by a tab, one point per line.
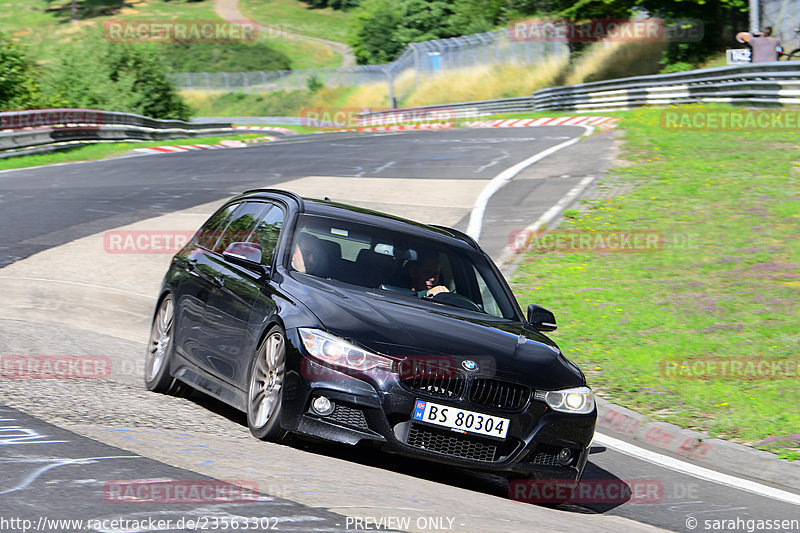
436	290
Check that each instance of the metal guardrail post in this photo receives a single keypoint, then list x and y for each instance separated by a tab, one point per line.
390	81
418	63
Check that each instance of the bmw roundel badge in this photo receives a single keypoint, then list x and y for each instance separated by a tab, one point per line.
470	365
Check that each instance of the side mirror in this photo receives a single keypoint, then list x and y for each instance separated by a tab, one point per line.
246	254
541	319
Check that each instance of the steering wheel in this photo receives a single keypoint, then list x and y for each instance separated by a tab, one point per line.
456	300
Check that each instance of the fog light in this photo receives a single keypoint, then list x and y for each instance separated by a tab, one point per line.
322	406
565	456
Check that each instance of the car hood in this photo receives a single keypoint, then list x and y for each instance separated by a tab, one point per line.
402	327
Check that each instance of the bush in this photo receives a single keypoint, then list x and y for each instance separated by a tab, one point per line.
382	28
124	77
222	57
314	84
19	78
373	38
680	66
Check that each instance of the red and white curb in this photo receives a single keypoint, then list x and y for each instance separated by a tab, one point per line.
181	148
596	121
404	127
196	147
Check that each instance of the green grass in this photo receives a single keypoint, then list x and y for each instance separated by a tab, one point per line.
304	54
297	17
45	27
276	103
46	30
105	150
725	285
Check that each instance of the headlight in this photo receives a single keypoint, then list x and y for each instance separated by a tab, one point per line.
338	352
579	400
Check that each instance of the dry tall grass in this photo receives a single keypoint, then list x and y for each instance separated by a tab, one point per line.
487	82
615	59
603	60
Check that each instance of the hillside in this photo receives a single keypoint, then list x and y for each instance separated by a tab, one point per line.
44	27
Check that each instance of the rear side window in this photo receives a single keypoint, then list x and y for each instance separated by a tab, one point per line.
212	229
241	225
267	231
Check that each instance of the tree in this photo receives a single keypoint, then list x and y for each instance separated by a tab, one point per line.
382	28
19	84
125	77
373	38
477	16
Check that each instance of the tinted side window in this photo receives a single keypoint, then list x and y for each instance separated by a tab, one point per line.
242	223
267	231
212	229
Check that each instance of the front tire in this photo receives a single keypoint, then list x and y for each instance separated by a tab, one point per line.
265	393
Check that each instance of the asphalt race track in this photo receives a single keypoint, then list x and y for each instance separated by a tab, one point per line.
63	443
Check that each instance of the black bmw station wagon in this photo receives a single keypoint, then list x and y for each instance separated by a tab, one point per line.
340	323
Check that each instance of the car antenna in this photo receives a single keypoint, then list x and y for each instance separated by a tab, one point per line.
327	199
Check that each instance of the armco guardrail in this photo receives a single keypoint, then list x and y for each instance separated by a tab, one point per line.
762	84
25	132
446	112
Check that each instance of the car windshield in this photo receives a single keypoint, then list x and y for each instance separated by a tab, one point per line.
399	263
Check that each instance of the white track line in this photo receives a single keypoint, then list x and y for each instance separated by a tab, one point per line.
696	471
478	209
80	284
554	211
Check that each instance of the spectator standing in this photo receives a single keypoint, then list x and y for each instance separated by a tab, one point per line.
764	47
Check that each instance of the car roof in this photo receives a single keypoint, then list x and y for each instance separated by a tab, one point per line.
329	208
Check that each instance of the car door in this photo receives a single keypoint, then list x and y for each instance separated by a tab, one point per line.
231	300
193	285
266	234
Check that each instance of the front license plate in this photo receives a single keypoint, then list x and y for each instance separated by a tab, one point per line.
460	419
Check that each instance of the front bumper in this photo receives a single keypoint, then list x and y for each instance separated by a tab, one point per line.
377	410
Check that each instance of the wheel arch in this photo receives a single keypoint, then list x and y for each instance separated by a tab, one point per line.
269	323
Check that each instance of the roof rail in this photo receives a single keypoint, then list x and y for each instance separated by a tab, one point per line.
294	196
461	234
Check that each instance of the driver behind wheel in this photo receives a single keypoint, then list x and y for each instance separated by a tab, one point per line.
308	256
424	274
